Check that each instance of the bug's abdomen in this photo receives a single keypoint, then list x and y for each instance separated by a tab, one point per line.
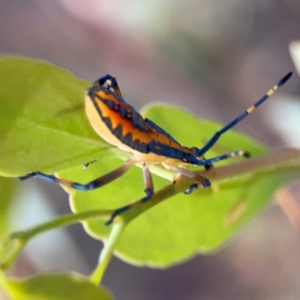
119	124
115	129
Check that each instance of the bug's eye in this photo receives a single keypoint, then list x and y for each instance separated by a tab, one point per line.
106	81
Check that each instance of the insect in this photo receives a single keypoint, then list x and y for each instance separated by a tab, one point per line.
121	125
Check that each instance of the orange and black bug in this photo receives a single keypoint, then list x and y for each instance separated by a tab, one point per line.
121	125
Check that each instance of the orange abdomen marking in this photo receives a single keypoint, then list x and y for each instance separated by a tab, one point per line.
121	125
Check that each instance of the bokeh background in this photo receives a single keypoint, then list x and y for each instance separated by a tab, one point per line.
211	57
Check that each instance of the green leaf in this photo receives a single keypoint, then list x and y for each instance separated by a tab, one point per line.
42	120
55	286
43	127
185	224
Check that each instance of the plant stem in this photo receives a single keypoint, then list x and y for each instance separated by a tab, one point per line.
17	240
107	252
283	161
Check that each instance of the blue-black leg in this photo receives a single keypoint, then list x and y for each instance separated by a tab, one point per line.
192	188
210	161
242	116
215	159
101	181
149	190
85	166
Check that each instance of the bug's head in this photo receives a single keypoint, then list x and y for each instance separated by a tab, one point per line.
106	81
109	83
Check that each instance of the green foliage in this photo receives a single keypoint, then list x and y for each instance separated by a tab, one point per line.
43	124
54	287
43	127
185	224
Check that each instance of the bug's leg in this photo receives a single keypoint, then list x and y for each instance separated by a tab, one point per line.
208	166
149	189
87	186
208	163
242	116
202	181
215	159
85	166
148	181
193	186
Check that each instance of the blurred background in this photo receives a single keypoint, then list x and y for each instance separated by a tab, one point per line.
214	58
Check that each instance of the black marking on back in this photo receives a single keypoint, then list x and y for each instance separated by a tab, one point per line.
141	147
107	122
165	150
109	103
137	121
118	132
176	153
127	139
123	112
160	130
130	113
158	148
